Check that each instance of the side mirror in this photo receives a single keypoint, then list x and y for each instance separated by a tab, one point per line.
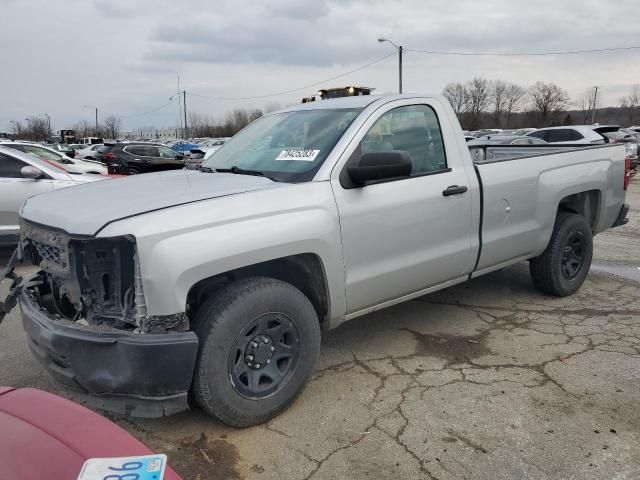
380	166
180	156
30	172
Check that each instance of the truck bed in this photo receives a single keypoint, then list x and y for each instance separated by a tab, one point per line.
501	153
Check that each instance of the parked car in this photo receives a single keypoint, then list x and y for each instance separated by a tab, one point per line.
134	158
88	152
63	148
49	155
505	140
219	281
22	176
183	147
47	436
90	141
523	131
574	134
488	131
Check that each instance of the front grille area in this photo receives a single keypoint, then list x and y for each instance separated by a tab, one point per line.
51	247
52	254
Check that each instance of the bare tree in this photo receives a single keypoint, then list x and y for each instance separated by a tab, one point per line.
499	99
479	89
514	96
82	129
631	103
547	100
589	102
37	129
112	125
458	97
16	128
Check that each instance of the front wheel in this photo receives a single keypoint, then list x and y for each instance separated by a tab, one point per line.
259	341
562	268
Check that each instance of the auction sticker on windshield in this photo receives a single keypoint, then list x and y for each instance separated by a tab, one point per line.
143	467
298	154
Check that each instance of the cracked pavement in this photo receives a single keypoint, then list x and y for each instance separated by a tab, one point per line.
486	380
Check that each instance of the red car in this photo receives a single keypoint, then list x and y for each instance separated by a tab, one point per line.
47	436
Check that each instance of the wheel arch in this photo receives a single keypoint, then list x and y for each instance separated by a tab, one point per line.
586	203
304	271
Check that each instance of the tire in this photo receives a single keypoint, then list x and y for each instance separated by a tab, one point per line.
133	171
562	268
229	383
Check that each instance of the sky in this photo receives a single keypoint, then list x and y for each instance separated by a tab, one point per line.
125	56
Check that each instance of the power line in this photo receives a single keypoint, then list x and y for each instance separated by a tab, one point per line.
148	111
293	90
521	54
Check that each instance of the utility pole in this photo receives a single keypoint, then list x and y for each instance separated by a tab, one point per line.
399	48
96	108
184	105
595	103
400	67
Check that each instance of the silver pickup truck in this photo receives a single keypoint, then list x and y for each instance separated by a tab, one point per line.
219	281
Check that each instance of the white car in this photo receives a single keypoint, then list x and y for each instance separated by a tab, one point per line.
49	155
22	176
573	134
88	152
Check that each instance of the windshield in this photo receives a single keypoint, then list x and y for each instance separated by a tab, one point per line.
39	152
288	146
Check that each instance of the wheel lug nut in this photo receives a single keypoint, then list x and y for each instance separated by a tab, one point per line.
273	349
249	357
254	344
257	365
266	340
268	361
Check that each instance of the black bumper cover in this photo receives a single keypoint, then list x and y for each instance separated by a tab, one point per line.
141	375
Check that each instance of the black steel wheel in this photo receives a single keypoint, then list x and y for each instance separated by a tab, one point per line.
563	266
259	341
573	255
264	355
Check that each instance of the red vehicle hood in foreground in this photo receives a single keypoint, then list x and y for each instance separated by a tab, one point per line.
46	436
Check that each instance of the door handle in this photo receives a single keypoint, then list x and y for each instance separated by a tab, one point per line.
454	190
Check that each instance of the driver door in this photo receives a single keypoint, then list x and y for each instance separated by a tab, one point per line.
404	235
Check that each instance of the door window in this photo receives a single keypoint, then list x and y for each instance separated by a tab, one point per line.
167	153
10	167
414	129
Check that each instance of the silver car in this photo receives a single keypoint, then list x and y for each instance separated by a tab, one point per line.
21	177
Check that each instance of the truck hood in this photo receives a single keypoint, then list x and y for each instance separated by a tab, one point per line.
85	209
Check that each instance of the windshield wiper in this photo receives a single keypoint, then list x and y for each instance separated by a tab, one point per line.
205	169
241	171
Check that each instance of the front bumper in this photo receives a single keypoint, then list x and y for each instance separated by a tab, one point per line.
142	375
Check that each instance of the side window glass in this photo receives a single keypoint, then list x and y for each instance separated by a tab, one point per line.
167	153
413	129
10	167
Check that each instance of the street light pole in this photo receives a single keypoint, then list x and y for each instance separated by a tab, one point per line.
399	48
89	106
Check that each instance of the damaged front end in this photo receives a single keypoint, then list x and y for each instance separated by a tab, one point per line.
93	282
86	321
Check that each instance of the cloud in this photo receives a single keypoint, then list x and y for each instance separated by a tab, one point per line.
124	55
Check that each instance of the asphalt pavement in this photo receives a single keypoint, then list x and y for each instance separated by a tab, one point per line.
486	380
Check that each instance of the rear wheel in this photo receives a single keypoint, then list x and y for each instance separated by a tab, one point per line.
259	340
133	171
562	268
